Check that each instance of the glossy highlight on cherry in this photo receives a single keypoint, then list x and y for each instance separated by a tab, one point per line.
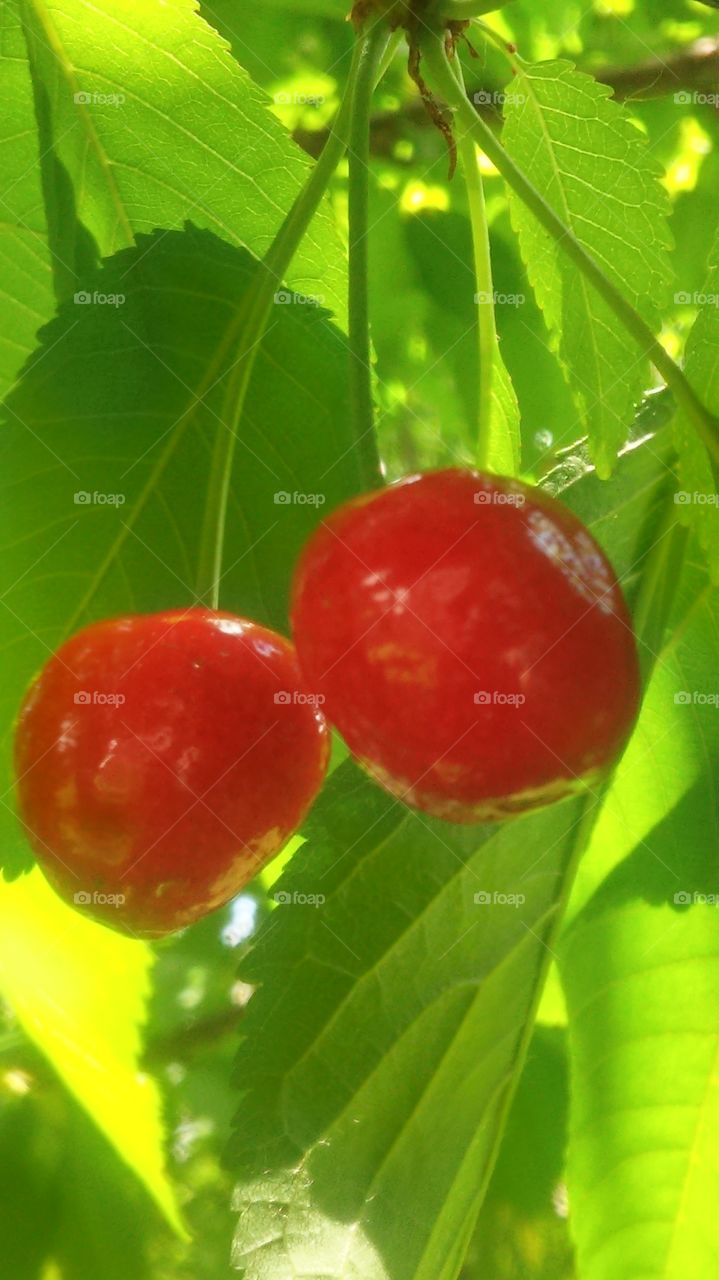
471	642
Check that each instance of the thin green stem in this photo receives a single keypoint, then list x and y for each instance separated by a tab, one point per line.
387	56
486	326
360	371
442	74
490	34
248	329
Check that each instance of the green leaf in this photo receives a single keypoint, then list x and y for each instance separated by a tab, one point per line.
439	245
107	452
675	741
387	1026
531	1158
588	161
80	992
57	1168
100	1206
639	968
641	973
505	436
26	290
697	499
174	129
662	760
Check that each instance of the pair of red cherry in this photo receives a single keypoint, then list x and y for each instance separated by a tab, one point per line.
464	633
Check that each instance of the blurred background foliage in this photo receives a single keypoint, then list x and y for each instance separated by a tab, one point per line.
70	1209
660	56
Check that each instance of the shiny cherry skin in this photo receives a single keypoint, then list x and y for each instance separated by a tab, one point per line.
162	760
471	643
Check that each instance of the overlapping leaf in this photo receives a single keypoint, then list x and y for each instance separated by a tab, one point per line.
388	1029
157	123
639	966
588	160
86	1016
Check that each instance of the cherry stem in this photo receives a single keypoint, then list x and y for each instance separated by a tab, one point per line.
442	73
486	326
247	330
372	45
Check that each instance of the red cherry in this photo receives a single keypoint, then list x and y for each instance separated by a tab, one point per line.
165	758
471	643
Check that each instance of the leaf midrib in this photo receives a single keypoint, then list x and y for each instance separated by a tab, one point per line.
54	44
559	176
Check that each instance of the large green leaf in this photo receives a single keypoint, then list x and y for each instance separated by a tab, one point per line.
381	1047
641	972
639	966
26	290
107	452
80	992
378	1055
157	123
587	159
